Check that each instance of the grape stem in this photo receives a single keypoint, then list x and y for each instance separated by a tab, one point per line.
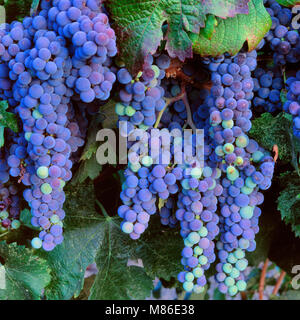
181	96
168	101
262	280
279	282
185	100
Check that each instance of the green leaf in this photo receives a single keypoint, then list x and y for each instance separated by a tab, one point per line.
25	219
115	280
289	202
82	238
108	112
88	169
160	248
288	3
288	295
231	34
211	23
24	275
138	25
269	130
7	120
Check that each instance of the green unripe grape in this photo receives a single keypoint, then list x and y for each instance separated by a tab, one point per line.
187	243
36	114
232	173
249	183
247	212
27	135
143	127
242	141
198	251
4	214
196	173
203	260
147	161
231	258
156	71
241	265
153	83
227	124
232	290
135	167
244	244
227	268
189	277
219	151
55	219
194	237
62	184
198	289
127	227
234	273
42	172
188	286
46	188
229	281
203	232
185	184
228	148
239	254
239	161
120	109
213	185
60	223
198	272
241	285
36	243
2	229
246	190
129	111
257	156
15	224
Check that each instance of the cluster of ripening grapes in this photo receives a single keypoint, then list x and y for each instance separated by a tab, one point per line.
52	67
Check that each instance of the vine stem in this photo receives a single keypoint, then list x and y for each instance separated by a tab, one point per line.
262	280
279	282
4	234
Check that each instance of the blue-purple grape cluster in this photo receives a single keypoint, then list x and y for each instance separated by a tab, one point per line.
49	63
142	97
283	39
292	105
267	88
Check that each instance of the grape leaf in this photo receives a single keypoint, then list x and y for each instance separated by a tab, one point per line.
7	120
115	280
289	202
231	34
160	249
24	275
288	3
25	219
69	260
269	130
138	25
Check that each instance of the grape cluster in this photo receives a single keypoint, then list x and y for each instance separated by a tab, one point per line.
49	65
283	40
214	200
292	105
